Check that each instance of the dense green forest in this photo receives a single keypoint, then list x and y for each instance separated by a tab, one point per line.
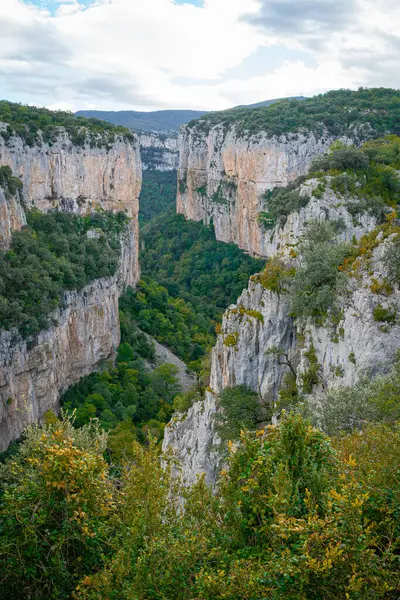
131	399
185	257
35	125
158	193
51	255
337	112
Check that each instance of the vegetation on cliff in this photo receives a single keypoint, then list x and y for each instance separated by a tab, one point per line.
366	178
36	125
365	112
10	184
51	255
297	515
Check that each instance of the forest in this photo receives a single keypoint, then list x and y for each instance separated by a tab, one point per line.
335	112
51	255
37	125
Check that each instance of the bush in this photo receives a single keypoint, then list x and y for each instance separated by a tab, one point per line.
391	260
55	506
10	184
240	409
276	276
346	409
317	282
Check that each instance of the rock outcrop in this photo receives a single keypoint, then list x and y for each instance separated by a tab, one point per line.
159	151
223	176
76	179
12	216
345	350
34	375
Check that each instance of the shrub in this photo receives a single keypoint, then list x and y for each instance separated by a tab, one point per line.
240	409
55	503
346	409
387	315
276	276
317	282
10	184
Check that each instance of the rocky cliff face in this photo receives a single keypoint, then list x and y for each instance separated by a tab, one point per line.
33	376
159	151
34	373
344	351
12	216
79	179
223	176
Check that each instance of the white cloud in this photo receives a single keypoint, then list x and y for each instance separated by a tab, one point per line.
157	54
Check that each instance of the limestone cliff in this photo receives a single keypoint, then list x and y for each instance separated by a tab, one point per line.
77	179
354	345
223	176
159	151
32	377
12	216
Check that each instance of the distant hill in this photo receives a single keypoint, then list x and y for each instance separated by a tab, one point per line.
268	102
158	120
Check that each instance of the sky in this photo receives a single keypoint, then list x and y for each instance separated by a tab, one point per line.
198	54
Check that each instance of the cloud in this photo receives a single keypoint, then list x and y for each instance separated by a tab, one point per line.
303	16
121	54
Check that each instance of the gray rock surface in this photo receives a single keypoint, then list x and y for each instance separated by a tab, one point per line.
34	373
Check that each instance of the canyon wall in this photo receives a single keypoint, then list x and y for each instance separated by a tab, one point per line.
76	179
345	350
223	176
159	151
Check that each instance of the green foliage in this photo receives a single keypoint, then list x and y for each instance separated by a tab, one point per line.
125	398
239	409
348	408
392	260
368	174
296	515
276	276
311	376
172	321
338	112
36	125
49	256
10	184
387	315
158	193
318	280
231	340
280	202
55	507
